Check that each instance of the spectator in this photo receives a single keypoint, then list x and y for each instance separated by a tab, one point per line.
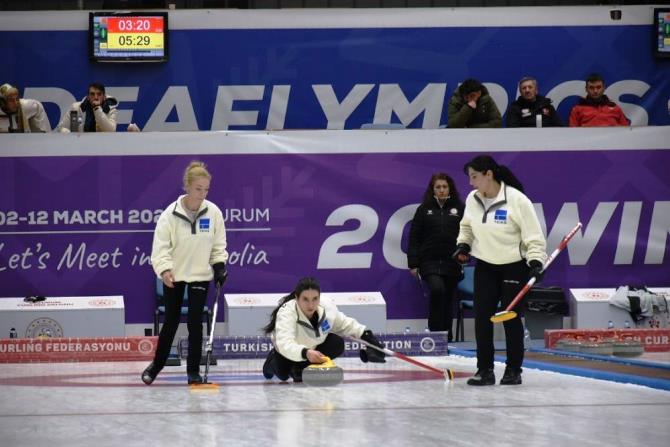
18	115
471	106
596	109
95	113
524	112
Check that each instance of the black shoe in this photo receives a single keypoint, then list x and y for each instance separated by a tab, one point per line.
483	377
194	378
296	373
149	374
267	366
512	376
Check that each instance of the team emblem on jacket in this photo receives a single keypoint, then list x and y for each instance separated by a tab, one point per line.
453	211
203	225
325	326
500	216
429	212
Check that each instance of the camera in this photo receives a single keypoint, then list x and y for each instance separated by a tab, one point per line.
615	14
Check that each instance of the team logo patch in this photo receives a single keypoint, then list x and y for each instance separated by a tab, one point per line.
325	326
203	225
500	216
453	211
429	212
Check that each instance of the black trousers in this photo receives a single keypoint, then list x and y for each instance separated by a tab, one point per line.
173	299
495	283
441	307
332	346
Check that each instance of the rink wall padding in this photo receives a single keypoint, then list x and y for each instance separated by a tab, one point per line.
80	349
653	340
252	346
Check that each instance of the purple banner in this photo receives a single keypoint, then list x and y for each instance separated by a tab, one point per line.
82	225
256	347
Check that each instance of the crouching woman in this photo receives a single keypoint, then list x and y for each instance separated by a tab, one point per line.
305	331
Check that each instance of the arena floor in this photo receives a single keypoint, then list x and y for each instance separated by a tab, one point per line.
394	404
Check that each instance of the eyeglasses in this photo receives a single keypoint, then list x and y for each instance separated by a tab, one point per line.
34	298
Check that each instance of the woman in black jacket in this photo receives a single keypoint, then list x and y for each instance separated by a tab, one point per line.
432	240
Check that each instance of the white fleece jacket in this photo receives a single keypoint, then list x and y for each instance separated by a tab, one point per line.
507	232
293	331
188	248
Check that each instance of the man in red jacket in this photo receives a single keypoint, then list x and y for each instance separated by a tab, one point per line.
596	109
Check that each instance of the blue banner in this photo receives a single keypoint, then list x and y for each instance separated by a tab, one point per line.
340	78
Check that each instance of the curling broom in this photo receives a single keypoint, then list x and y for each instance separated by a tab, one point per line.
446	373
508	313
206	385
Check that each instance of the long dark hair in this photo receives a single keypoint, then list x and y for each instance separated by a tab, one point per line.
307	283
483	163
430	194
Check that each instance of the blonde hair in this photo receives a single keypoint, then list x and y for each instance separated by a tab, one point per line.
7	89
194	170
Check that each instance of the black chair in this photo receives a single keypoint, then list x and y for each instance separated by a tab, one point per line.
160	308
466	290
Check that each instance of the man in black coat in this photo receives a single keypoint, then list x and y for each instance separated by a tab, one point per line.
531	109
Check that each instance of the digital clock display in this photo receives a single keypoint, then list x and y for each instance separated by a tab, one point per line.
662	32
128	37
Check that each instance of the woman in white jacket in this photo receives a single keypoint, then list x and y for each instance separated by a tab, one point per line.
304	330
501	229
189	250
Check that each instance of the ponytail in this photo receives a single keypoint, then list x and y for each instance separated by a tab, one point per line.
504	174
273	318
483	163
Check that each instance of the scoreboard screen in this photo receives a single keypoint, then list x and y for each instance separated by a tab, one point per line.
128	37
662	32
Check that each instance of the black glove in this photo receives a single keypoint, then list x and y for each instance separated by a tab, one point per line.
371	354
536	270
462	254
220	274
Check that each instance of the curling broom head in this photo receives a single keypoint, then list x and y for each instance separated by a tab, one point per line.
503	316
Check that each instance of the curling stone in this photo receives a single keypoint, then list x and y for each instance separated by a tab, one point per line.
322	374
568	345
628	348
598	348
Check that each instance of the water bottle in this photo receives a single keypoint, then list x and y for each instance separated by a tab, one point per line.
408	329
12	333
538	120
74	121
610	324
526	338
626	324
426	329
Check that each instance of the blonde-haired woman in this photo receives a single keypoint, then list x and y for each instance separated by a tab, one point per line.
189	250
